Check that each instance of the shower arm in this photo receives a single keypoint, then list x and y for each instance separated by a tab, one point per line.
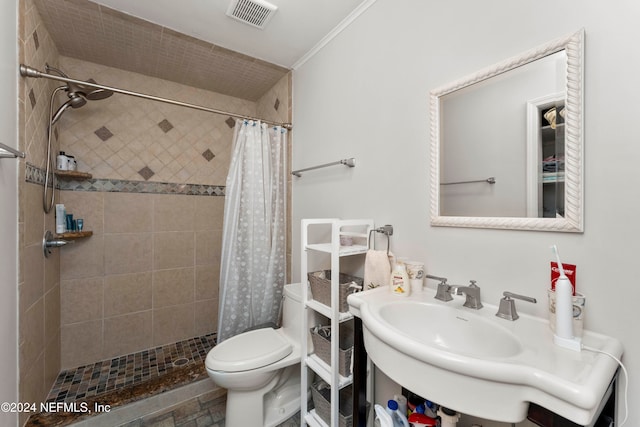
27	71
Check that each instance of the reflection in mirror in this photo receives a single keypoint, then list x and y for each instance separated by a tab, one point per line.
506	143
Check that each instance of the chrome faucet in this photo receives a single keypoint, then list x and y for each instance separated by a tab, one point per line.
445	293
472	294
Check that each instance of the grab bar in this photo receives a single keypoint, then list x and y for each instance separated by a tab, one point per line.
490	180
7	152
351	162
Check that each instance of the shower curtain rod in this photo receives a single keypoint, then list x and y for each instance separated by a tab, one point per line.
27	71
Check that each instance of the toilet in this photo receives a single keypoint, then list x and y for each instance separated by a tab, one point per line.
261	368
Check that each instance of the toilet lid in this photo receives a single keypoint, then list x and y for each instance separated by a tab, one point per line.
249	350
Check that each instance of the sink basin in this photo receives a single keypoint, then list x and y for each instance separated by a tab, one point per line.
450	329
476	363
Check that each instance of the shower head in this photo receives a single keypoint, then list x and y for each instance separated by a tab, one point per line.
79	93
96	94
76	98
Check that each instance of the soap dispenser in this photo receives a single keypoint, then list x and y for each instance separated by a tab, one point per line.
564	310
400	280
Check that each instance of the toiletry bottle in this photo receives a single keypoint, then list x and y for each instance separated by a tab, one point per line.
399	419
62	162
72	165
60	218
400	280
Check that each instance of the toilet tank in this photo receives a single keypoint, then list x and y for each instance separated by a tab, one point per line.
292	312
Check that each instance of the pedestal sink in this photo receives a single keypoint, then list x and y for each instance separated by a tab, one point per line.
478	364
446	328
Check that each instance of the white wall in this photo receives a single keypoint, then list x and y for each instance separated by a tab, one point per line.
485	134
9	211
366	95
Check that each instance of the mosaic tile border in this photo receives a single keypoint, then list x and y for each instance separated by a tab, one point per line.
35	175
128	370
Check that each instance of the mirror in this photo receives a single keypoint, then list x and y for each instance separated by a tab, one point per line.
506	143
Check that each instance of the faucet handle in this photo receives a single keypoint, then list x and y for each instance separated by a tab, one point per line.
443	292
508	295
507	308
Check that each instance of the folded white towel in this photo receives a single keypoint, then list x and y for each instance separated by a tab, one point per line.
377	269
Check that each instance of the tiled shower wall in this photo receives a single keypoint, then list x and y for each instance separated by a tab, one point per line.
125	275
130	138
149	274
39	278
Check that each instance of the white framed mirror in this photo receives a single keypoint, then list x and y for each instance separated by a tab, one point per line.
507	143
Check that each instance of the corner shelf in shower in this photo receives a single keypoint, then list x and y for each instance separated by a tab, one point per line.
73	235
73	174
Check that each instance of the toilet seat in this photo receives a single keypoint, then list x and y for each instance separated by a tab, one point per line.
249	350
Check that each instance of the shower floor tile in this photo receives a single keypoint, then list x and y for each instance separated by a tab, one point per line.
142	375
125	371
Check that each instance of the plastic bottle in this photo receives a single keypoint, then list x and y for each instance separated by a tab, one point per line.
399	282
383	419
420	419
60	218
62	162
399	419
430	409
402	403
448	417
72	165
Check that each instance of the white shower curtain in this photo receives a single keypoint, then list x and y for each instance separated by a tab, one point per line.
253	267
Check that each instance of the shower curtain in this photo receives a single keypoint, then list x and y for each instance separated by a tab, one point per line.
253	267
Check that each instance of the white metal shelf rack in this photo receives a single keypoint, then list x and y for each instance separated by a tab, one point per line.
325	238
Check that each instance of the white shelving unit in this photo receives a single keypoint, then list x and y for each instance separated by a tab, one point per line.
322	236
545	185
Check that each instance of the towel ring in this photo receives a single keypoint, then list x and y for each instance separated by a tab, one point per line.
379	231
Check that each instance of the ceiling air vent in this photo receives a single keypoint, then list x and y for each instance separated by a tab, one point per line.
256	13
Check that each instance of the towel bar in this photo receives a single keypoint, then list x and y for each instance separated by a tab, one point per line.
351	162
387	230
490	180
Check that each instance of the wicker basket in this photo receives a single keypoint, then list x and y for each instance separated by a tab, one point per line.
321	395
321	288
322	346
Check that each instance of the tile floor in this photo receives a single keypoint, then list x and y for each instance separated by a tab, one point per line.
206	410
132	369
132	378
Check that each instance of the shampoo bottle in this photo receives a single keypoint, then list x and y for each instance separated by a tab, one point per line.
400	284
60	218
62	161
